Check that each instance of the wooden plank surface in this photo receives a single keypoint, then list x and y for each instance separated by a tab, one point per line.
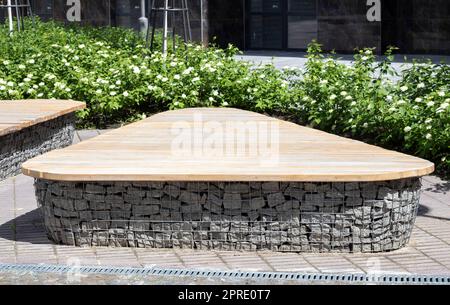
19	114
149	150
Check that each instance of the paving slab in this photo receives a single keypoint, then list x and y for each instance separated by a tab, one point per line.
23	240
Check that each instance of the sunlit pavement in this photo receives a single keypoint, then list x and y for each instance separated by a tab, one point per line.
23	241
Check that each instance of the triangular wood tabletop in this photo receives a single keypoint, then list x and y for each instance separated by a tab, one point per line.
185	145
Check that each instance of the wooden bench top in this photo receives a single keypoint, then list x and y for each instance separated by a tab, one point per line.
19	114
142	151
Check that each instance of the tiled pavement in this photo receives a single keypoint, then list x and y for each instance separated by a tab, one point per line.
23	240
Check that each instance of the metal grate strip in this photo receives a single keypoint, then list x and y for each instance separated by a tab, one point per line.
311	277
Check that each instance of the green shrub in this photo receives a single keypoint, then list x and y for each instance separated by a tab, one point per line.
121	80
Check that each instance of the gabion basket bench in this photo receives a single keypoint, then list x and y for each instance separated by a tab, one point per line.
165	182
31	127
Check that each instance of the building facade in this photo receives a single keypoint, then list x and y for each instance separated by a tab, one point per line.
414	26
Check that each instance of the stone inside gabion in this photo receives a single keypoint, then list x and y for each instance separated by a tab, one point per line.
18	147
279	216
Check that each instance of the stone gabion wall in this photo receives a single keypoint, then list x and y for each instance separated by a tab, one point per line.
18	147
285	216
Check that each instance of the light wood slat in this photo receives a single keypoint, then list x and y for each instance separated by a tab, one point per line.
19	114
142	151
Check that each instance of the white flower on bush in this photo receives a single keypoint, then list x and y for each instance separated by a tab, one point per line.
404	88
418	100
389	98
151	88
365	125
353	103
196	79
428	121
136	70
183	96
421	86
441	93
401	102
27	80
176	76
344	93
30	91
430	104
22	67
2	88
444	105
99	91
407	129
6	62
35	86
348	98
428	136
333	97
31	61
187	71
215	93
113	93
40	95
225	104
119	82
364	58
164	79
10	84
126	94
82	46
324	82
415	107
112	86
173	64
392	109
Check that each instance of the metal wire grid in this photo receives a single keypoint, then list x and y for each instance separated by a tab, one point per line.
317	217
171	11
155	271
20	9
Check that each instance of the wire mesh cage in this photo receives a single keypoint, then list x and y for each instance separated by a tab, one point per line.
279	216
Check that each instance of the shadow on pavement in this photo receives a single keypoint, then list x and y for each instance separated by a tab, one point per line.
28	228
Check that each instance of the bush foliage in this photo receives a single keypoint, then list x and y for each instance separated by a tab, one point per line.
121	80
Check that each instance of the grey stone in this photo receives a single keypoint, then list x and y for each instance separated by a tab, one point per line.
288	206
232	201
145	210
236	220
236	188
270	187
314	199
257	203
81	205
294	192
171	190
19	146
275	199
